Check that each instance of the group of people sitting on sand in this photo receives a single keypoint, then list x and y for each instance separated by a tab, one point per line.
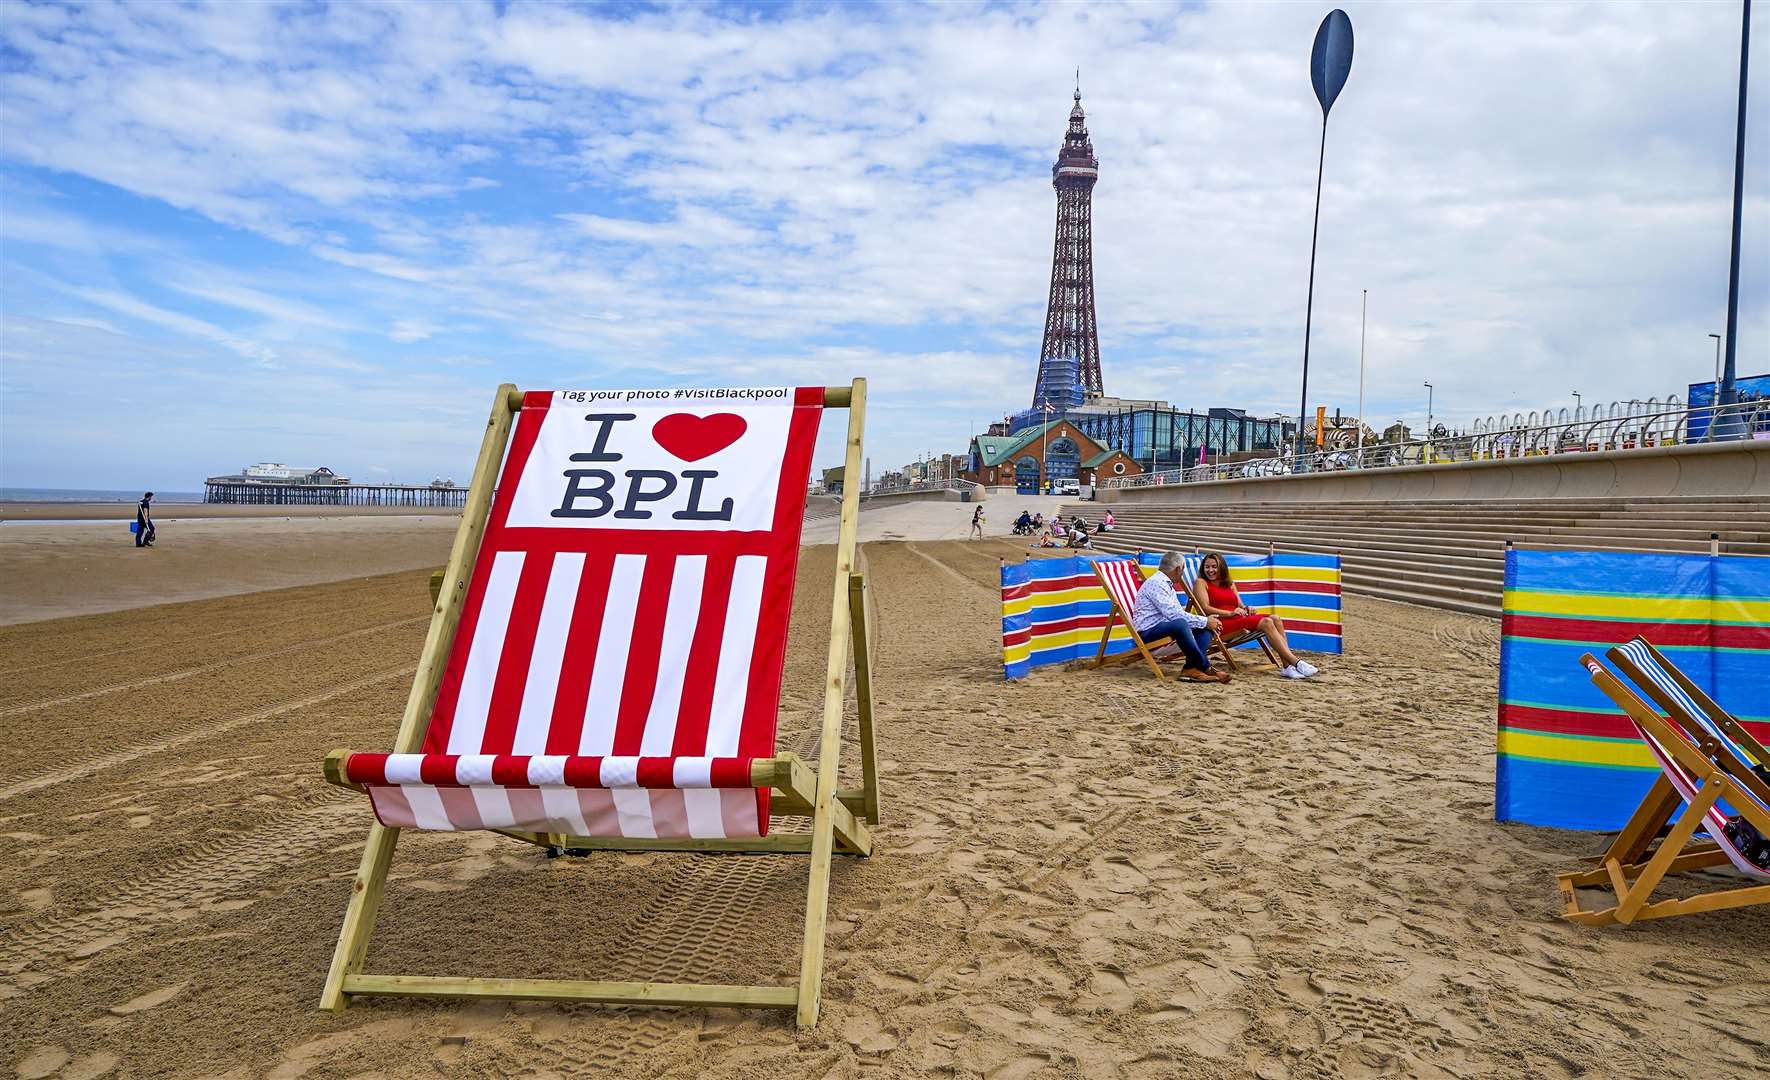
1078	533
1161	612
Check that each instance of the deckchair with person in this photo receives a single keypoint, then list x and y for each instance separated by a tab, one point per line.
603	668
1229	639
1632	867
1121	578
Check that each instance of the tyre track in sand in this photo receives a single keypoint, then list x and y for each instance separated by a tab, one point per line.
223	869
688	934
187	673
13	787
162	644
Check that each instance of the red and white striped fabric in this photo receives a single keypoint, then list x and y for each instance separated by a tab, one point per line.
1123	577
618	662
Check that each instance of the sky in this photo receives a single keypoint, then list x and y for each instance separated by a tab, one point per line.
323	234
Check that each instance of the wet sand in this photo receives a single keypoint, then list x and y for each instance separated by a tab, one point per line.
1084	874
124	512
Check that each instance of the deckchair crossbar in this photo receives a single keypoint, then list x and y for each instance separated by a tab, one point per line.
594	992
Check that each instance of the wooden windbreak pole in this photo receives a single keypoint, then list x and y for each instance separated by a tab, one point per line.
371	875
811	953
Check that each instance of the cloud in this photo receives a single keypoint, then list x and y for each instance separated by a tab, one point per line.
1535	196
406	331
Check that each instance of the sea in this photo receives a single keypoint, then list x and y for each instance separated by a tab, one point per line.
92	495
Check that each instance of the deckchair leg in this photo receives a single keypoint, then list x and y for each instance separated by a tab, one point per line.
1223	654
860	625
1669	848
817	900
825	806
359	918
1106	635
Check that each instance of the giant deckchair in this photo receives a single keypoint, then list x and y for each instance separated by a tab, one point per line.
604	664
1121	578
1222	643
1631	866
1718	734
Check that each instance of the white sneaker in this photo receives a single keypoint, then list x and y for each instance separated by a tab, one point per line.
1291	673
1307	668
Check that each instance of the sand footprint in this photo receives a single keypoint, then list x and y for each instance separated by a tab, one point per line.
41	1062
149	1000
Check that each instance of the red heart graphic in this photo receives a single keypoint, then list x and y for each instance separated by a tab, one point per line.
692	438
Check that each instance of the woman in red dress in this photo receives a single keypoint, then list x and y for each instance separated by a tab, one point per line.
1216	594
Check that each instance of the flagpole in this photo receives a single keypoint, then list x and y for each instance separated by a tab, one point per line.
1363	309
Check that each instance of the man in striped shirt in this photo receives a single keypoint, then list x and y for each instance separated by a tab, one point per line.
1159	612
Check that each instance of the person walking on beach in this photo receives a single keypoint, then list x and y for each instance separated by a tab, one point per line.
977	523
144	521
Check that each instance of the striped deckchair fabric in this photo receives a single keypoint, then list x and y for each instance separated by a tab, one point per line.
604	665
1716	732
566	705
1691	788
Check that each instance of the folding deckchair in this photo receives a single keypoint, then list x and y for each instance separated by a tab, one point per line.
1222	643
1719	735
1688	779
607	676
1121	578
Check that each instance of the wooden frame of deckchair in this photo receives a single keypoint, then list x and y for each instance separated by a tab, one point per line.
1118	615
1715	750
1632	867
839	817
1221	644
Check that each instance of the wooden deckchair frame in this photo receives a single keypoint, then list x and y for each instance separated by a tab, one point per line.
1715	750
1632	867
1221	644
839	817
1118	615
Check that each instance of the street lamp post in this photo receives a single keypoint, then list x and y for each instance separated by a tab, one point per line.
1363	309
1717	338
1728	425
1045	450
1428	413
1576	404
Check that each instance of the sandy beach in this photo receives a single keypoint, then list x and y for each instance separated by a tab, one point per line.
1084	874
49	571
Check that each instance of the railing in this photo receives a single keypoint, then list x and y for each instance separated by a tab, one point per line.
954	484
1620	426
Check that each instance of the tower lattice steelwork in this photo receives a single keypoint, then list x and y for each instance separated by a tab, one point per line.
1069	360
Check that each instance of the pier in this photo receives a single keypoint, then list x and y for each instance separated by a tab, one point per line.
219	491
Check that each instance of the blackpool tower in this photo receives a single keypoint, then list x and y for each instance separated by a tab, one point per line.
1069	359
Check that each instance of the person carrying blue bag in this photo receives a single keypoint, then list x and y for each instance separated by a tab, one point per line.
144	522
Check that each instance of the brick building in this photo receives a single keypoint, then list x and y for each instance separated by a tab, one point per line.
1031	459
